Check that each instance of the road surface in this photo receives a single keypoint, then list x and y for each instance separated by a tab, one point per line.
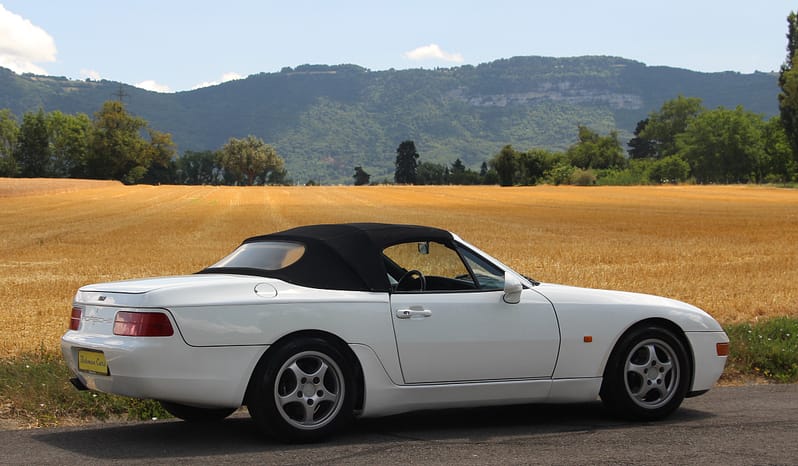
729	425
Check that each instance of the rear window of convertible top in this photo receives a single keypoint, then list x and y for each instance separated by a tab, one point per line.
264	255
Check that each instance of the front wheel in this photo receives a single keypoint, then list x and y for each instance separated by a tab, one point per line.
194	414
647	375
303	392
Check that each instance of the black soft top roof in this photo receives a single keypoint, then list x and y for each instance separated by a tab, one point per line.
342	256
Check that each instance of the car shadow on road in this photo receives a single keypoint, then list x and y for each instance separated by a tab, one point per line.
238	434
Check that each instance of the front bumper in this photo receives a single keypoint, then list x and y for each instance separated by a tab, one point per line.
708	366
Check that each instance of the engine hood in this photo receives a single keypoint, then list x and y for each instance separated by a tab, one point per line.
605	302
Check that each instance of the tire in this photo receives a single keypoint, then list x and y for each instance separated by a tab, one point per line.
198	415
647	375
303	391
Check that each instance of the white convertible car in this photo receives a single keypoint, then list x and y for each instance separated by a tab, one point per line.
313	326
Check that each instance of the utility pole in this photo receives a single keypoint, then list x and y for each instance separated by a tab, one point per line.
120	94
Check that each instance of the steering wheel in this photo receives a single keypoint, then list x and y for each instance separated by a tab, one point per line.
412	280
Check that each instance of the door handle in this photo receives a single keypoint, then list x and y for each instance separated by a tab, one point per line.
410	313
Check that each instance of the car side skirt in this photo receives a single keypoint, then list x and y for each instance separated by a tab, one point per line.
382	397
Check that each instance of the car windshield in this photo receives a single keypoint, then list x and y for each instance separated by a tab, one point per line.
264	255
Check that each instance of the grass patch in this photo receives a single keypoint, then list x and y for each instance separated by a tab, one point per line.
35	392
767	348
35	389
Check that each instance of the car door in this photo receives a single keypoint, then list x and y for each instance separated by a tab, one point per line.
458	328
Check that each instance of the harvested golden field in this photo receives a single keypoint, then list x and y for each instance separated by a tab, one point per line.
732	250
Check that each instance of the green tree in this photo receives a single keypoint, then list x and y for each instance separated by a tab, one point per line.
277	176
534	164
671	120
117	149
249	158
362	177
32	152
724	146
593	151
198	168
163	167
459	174
69	143
640	147
506	165
788	82
9	131
406	163
429	173
783	166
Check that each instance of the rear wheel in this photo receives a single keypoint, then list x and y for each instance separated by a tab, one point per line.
647	375
194	414
303	392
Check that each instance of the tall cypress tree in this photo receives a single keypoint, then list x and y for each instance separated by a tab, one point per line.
406	163
788	81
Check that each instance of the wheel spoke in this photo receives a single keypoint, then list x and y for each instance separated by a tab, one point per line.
310	413
639	369
297	371
289	398
329	396
320	372
665	368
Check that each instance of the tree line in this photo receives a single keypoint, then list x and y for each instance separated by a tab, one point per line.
120	146
682	141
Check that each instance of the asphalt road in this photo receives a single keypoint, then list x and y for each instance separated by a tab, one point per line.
729	425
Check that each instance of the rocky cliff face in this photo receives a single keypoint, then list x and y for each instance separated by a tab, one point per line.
565	92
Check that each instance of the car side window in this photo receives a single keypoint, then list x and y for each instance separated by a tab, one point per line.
426	266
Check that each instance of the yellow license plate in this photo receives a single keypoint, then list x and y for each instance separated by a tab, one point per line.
92	361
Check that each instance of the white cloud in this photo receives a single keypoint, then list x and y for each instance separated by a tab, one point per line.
22	44
433	52
150	85
229	76
91	74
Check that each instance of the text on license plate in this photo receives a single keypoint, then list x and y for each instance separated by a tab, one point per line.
92	361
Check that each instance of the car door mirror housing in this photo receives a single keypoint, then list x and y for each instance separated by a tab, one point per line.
512	289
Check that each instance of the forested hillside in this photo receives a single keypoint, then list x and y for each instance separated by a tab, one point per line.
325	120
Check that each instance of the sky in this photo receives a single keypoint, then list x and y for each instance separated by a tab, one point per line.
173	45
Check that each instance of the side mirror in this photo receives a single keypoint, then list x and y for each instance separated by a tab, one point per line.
512	289
423	248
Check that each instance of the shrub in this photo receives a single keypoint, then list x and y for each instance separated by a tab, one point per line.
583	177
561	174
671	169
768	348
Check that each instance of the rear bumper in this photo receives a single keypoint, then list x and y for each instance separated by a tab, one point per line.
166	368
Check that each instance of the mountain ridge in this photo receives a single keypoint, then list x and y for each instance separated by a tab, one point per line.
326	119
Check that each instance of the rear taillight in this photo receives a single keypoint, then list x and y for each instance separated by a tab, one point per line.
142	324
74	321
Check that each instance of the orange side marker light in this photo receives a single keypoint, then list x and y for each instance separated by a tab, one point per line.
588	339
722	349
